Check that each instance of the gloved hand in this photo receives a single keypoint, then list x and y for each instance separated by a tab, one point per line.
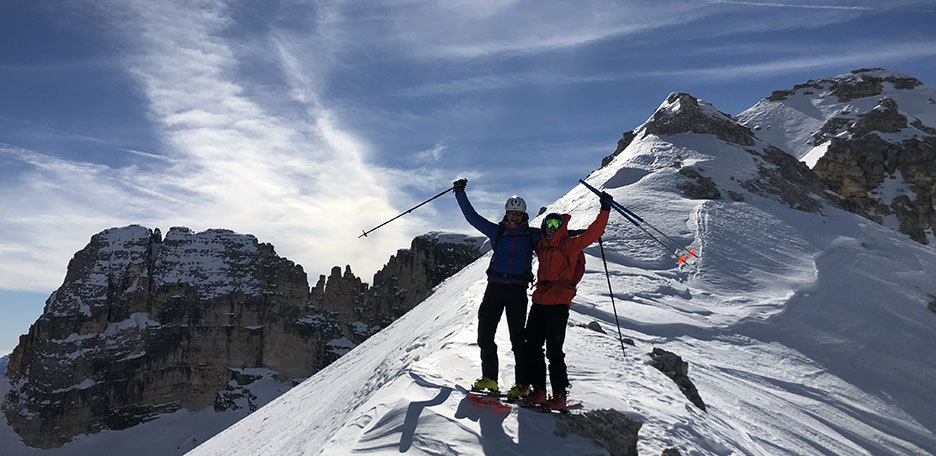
606	199
460	185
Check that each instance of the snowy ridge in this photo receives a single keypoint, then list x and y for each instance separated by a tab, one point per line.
807	333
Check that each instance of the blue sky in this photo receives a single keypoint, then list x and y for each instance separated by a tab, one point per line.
304	122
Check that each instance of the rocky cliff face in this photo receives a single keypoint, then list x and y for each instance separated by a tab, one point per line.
869	135
144	325
886	164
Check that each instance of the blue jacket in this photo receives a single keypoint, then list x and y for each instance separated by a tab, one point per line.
513	253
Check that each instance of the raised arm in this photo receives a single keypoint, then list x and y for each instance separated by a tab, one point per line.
594	231
480	223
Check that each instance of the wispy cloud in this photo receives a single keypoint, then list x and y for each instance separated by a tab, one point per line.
855	57
469	30
148	155
796	5
433	154
299	183
497	82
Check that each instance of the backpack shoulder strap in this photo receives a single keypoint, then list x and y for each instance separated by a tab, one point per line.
500	234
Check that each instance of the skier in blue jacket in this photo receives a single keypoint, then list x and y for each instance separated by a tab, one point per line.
508	275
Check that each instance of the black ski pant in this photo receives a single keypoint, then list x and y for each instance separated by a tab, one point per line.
547	324
499	297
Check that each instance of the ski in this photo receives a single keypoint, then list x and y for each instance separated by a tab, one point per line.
482	399
488	393
571	404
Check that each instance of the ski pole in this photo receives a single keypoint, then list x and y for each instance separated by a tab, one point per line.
404	213
638	221
611	294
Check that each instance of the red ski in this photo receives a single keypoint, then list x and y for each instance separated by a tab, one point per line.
482	399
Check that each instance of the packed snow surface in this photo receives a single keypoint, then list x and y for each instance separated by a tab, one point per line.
806	334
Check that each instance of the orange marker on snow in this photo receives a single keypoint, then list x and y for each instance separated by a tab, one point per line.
685	258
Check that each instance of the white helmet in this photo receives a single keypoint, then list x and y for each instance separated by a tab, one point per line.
515	203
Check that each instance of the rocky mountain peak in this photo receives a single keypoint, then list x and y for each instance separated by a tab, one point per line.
861	83
683	113
868	134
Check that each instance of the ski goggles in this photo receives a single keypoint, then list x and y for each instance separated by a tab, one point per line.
553	223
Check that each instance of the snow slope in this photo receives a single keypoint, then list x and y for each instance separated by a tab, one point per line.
806	333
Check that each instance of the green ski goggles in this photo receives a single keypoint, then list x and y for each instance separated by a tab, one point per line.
553	223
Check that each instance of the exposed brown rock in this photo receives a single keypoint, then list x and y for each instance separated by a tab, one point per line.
884	118
678	370
831	128
611	429
788	180
780	95
857	165
700	188
689	117
621	145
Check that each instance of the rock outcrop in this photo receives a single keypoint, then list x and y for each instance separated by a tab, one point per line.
611	429
143	326
860	83
683	113
678	370
622	144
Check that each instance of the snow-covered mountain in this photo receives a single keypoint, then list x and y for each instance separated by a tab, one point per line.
4	361
799	120
806	327
870	135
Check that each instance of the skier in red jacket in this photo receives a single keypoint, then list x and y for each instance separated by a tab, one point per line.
557	253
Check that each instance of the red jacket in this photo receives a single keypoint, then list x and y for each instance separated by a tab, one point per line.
557	260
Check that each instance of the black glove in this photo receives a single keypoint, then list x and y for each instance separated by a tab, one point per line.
606	201
460	185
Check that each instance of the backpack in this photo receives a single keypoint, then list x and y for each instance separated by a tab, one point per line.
528	277
578	270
